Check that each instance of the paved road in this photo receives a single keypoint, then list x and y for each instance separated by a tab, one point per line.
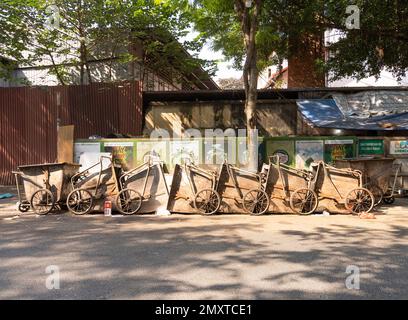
220	257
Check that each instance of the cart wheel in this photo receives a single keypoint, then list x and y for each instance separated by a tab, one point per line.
359	200
389	200
256	202
23	206
128	201
42	201
304	201
377	193
80	201
207	201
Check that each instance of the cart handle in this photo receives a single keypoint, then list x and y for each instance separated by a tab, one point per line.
126	174
84	173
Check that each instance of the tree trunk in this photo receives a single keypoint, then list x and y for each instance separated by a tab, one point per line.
82	63
57	73
249	23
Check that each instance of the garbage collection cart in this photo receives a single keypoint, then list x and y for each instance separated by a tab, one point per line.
289	189
243	191
341	190
93	186
143	189
194	189
376	174
46	186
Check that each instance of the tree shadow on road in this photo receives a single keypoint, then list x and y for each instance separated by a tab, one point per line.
189	257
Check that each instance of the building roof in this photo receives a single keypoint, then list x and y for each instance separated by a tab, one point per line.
263	94
275	77
389	114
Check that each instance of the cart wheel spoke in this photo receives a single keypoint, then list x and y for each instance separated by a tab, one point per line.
360	200
207	201
129	201
42	201
256	202
80	201
304	201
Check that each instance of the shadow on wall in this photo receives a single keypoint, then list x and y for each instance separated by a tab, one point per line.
274	118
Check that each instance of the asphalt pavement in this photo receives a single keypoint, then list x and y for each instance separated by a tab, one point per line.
61	256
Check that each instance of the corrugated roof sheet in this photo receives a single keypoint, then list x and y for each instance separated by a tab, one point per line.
325	113
372	103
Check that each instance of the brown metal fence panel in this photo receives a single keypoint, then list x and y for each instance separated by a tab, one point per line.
29	117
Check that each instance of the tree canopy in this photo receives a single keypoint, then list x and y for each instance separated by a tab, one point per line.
380	42
74	33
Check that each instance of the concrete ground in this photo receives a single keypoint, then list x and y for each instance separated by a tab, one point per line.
195	257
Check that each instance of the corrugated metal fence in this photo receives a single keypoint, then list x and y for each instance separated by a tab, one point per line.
29	117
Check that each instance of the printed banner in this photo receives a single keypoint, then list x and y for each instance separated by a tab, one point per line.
122	153
399	147
181	150
81	148
307	152
154	148
338	149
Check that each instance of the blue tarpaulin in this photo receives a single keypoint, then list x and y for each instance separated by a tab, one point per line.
324	113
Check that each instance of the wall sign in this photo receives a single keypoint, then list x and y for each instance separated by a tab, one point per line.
399	147
370	147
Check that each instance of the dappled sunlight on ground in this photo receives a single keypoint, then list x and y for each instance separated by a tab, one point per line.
195	257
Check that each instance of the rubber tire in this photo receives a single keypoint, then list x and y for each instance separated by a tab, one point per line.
24	206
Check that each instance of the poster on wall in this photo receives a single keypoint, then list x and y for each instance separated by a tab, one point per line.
399	147
243	150
338	149
81	148
155	148
122	153
184	149
370	147
285	149
308	151
215	151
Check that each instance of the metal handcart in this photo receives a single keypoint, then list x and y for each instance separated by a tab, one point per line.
194	188
143	189
93	186
243	191
46	186
290	189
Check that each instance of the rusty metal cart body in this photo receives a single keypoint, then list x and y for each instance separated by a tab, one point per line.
143	189
45	185
376	175
194	188
289	189
243	191
90	188
341	190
